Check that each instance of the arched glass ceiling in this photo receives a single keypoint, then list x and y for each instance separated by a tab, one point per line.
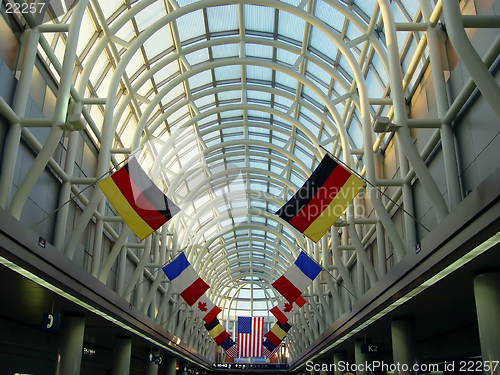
231	102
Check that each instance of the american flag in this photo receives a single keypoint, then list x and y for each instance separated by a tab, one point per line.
250	336
269	354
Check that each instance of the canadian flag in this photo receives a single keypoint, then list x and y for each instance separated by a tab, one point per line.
284	311
205	309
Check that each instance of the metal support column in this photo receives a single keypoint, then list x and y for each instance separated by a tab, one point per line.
399	105
487	296
69	358
30	37
468	55
339	360
169	366
121	356
361	359
404	344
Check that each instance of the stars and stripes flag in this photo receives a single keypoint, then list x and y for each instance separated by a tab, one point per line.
250	336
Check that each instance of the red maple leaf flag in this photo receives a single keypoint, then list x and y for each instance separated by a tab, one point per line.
284	311
202	306
205	309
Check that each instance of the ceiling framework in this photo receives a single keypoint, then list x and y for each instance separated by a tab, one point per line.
231	105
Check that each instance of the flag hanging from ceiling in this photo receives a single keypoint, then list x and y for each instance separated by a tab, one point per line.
229	347
192	288
284	311
250	336
277	333
297	278
184	278
137	200
321	200
217	331
269	349
206	309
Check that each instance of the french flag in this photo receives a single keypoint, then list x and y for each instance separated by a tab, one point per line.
184	278
297	278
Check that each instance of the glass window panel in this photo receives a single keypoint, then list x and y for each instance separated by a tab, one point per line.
223	18
323	44
259	18
200	79
227	72
150	15
158	42
191	25
226	50
288	58
259	73
198	56
329	15
291	26
258	50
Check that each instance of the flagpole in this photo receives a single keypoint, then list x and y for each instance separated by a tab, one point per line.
376	187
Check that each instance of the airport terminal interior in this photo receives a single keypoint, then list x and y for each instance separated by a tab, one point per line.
229	106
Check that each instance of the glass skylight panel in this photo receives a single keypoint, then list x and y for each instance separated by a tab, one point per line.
329	15
225	50
98	68
374	88
260	95
352	31
174	93
86	32
411	7
367	5
323	44
197	57
236	114
259	73
208	99
286	57
259	18
166	72
259	50
356	134
377	64
191	25
200	79
134	64
232	95
109	7
286	80
229	72
346	70
259	114
149	15
145	89
158	42
282	100
223	18
291	26
126	32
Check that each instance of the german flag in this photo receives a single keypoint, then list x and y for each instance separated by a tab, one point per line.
137	200
321	200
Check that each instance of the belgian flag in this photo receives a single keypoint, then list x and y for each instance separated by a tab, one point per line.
321	200
137	199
